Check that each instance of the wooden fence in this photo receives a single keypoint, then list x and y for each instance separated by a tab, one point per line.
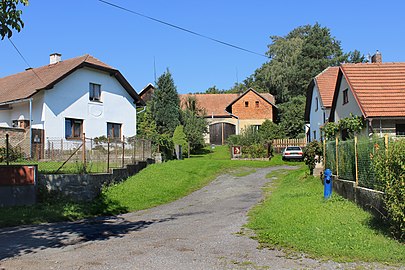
280	144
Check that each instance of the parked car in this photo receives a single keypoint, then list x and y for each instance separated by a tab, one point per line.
293	152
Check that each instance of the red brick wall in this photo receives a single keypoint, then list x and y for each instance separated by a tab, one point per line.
262	110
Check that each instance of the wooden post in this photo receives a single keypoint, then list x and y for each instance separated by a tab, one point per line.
84	152
386	144
7	151
123	154
133	151
324	155
356	161
337	157
108	154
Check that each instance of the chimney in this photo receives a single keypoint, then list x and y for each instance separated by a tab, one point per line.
55	58
376	58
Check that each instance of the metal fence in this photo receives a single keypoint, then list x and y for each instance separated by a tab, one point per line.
86	155
353	159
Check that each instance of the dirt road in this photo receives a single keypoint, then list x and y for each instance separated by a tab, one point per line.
200	231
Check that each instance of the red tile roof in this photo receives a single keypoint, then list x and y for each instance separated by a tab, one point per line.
216	104
326	82
378	87
25	84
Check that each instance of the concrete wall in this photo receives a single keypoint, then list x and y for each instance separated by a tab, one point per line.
85	187
370	200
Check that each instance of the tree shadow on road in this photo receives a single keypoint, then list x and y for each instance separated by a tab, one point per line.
28	239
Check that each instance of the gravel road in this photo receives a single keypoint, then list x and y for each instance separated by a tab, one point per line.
200	231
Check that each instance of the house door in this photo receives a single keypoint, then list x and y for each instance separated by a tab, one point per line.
220	132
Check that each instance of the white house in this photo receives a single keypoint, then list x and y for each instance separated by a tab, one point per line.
68	98
375	91
319	101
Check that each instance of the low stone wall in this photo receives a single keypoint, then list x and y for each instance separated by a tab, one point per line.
368	199
85	187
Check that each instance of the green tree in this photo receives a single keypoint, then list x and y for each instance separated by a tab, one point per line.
147	128
195	125
269	131
179	138
10	17
312	150
166	104
356	57
291	116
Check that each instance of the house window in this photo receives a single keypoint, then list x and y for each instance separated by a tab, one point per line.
73	128
314	134
324	117
114	130
257	104
345	97
246	104
400	129
94	92
316	104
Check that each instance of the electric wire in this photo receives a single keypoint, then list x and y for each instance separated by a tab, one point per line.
181	28
25	60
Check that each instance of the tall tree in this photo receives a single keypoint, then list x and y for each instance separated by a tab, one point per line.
166	104
195	125
292	117
10	17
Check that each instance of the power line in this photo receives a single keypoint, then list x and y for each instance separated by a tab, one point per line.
25	60
182	28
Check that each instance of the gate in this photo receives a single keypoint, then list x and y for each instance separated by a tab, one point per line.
220	132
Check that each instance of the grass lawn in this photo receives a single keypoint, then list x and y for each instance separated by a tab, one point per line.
332	229
155	185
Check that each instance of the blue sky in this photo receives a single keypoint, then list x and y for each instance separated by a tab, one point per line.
131	43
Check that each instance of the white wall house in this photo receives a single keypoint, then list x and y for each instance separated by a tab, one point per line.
68	98
374	91
319	102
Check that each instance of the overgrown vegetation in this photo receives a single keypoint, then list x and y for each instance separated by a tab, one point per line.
389	167
333	229
255	143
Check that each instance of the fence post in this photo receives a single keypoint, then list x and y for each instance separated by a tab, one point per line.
123	153
386	144
84	152
108	154
356	161
7	153
134	151
337	156
324	154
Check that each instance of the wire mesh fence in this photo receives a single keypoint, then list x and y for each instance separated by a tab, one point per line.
86	155
353	159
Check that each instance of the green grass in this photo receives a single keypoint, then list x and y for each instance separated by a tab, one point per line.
155	185
332	229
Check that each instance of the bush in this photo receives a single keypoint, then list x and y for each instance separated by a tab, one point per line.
389	167
312	150
13	154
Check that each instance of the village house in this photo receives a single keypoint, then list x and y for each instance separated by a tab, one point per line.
375	91
229	114
68	98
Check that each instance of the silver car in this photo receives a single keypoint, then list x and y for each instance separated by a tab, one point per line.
293	152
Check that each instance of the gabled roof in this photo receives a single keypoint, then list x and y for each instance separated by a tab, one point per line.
266	96
25	84
326	82
379	88
219	105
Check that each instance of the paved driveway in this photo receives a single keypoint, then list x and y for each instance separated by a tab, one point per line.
200	231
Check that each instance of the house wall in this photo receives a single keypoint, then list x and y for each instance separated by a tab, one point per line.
382	126
70	99
316	119
264	111
344	110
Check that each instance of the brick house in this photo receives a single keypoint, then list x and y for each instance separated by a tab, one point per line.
229	114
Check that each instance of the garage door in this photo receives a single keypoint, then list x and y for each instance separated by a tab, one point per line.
220	132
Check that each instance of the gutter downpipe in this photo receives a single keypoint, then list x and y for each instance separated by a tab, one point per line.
237	133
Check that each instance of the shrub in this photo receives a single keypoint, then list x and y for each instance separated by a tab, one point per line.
13	154
312	150
389	167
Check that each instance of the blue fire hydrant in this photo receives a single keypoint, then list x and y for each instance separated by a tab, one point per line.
327	184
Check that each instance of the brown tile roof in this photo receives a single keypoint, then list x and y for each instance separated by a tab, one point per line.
326	82
216	104
378	87
25	84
